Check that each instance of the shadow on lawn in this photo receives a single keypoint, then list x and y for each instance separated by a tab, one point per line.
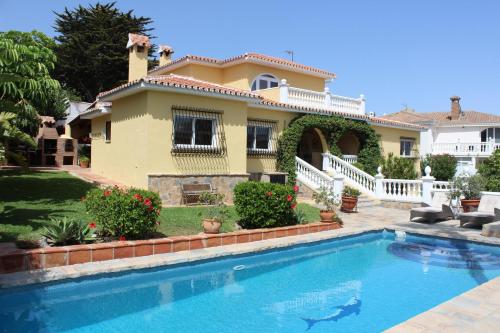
29	199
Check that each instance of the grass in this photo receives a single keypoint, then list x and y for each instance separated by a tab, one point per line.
28	201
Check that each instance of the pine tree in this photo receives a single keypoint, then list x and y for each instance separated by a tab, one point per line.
91	53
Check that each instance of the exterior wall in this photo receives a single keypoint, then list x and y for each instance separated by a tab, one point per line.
390	138
457	134
141	139
267	163
271	93
124	159
241	76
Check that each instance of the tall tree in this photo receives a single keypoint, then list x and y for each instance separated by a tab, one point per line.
91	46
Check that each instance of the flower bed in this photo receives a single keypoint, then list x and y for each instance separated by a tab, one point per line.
26	260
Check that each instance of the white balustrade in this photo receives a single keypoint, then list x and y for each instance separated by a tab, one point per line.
350	158
465	148
311	176
361	178
441	185
321	100
402	190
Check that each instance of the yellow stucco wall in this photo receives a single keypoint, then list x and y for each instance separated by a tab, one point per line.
137	64
241	76
141	139
271	93
390	140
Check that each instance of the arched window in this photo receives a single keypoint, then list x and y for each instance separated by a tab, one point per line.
492	133
264	81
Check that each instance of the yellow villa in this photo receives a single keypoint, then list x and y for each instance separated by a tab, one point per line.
200	119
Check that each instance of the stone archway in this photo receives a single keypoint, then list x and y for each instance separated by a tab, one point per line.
311	145
349	144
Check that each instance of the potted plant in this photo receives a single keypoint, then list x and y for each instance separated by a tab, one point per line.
349	199
330	201
468	189
216	212
84	161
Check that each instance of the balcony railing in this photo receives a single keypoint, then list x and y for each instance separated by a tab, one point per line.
321	100
466	148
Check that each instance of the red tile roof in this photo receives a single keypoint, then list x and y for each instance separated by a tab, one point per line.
140	40
179	81
247	57
442	118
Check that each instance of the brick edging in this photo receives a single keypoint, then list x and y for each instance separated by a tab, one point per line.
26	260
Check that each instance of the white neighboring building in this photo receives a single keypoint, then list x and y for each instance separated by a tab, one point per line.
470	136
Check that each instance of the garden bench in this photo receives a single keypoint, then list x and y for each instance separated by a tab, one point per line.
191	192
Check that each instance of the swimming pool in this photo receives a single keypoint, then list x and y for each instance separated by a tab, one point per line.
364	283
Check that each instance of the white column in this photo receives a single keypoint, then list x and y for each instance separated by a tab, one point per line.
379	186
427	182
328	97
326	161
338	184
362	106
284	91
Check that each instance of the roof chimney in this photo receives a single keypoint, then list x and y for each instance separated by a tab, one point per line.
138	46
456	110
165	52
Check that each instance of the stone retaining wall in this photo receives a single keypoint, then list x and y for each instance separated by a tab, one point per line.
26	260
169	186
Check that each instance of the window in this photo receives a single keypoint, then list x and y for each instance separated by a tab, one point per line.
107	134
406	147
492	133
264	81
260	137
193	132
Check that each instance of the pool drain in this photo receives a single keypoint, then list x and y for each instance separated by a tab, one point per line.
239	267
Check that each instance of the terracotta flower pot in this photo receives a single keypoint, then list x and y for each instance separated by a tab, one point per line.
84	164
211	226
348	203
326	215
469	204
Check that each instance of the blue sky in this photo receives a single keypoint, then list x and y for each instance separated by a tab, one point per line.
396	53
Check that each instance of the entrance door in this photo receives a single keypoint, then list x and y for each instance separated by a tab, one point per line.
310	148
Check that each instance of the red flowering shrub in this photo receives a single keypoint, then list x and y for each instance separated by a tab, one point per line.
124	214
265	204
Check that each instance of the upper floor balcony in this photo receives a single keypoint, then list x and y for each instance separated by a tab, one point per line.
315	99
479	149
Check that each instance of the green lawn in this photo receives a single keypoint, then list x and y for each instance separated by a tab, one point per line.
28	200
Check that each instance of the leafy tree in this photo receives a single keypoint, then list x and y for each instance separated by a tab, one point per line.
91	47
25	62
443	166
394	167
490	169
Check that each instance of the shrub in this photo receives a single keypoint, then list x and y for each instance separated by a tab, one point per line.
468	187
443	167
216	208
351	192
265	204
394	167
130	213
68	231
327	198
490	169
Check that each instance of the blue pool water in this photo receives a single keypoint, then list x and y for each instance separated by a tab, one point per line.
365	283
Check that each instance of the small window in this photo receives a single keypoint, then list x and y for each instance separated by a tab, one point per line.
193	132
406	147
491	134
107	135
264	81
259	137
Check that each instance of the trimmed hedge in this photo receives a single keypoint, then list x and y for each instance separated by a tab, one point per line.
395	167
490	169
333	128
125	214
265	205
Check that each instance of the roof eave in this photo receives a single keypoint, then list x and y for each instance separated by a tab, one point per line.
144	86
